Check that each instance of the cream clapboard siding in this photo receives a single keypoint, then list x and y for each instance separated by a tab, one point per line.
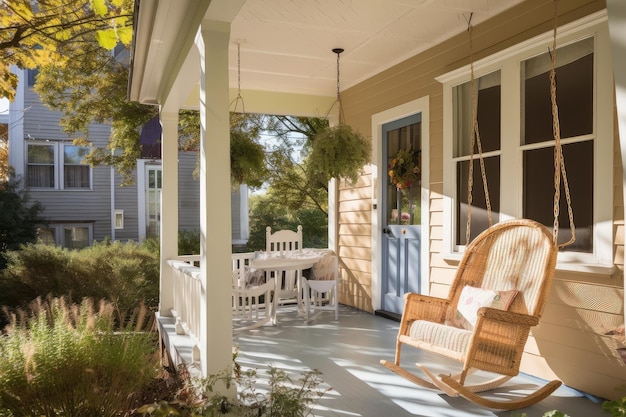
570	343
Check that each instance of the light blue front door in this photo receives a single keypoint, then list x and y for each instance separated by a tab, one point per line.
401	242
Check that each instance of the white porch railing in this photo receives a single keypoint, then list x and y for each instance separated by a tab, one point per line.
187	290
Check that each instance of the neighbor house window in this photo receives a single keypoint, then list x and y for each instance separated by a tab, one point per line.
119	219
57	165
516	129
41	171
76	173
71	236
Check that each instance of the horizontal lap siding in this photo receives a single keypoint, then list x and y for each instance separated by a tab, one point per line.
354	239
569	343
71	206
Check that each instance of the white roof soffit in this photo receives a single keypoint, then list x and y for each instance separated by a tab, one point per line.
164	35
286	46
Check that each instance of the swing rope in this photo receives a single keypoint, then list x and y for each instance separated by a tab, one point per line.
475	142
559	160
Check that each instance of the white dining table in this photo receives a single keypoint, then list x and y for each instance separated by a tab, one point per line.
278	262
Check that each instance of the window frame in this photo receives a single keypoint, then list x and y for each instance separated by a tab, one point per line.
509	62
58	232
59	166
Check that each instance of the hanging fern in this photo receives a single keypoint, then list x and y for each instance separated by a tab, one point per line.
247	159
339	152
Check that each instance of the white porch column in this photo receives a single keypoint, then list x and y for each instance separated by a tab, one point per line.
168	236
215	207
616	12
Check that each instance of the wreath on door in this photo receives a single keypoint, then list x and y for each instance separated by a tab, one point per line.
404	168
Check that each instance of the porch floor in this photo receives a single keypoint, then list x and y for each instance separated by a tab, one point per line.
347	353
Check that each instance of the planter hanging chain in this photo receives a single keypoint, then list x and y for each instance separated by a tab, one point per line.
338	51
238	98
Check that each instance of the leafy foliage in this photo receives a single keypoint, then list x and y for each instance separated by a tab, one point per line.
339	152
285	397
91	87
266	210
71	360
19	220
4	150
616	408
247	155
122	273
33	34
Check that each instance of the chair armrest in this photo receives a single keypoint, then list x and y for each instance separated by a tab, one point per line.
422	307
498	341
507	316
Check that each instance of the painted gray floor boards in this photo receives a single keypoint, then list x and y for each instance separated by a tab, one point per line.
347	352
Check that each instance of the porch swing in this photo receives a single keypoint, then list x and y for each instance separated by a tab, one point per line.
498	293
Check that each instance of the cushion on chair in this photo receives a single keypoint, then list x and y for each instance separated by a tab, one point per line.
440	338
472	299
253	277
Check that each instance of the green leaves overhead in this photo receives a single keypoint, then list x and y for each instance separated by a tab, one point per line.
37	33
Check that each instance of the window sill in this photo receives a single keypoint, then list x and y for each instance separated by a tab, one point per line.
581	267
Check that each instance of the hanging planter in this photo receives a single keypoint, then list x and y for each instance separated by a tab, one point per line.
247	156
339	151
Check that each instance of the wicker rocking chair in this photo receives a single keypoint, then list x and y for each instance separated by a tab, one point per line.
498	294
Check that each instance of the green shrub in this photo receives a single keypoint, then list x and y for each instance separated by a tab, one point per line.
69	360
189	242
284	397
123	273
616	408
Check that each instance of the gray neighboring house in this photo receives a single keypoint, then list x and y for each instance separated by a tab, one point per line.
85	204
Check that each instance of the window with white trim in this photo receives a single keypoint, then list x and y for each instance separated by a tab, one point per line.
67	235
515	126
57	165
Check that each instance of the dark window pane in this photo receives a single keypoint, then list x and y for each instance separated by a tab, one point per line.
75	154
480	219
574	82
488	114
76	176
41	176
40	154
539	191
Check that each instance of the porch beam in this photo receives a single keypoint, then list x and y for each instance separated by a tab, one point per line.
215	206
168	235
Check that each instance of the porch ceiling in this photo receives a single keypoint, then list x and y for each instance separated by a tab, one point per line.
286	45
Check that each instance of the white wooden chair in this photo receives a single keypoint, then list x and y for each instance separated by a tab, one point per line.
252	294
320	291
284	243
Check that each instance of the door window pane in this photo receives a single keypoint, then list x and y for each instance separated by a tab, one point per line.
404	203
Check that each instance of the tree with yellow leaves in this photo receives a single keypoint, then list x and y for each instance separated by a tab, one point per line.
33	33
